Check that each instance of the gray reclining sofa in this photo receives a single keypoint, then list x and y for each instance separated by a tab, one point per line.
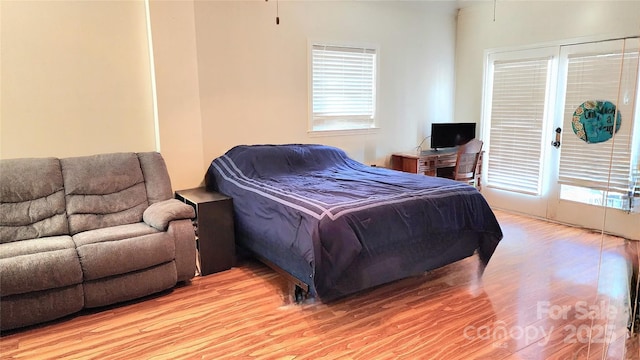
86	232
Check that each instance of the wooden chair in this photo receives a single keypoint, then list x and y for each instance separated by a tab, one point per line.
467	161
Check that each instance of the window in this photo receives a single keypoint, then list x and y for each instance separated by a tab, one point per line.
343	90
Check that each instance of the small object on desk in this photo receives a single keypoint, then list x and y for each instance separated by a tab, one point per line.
214	228
440	152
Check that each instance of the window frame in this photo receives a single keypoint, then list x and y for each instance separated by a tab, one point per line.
311	122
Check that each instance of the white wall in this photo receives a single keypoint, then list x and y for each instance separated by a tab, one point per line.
253	73
75	78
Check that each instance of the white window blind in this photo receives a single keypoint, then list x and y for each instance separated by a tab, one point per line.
517	118
343	87
611	77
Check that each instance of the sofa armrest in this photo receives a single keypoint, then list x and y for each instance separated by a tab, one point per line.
158	215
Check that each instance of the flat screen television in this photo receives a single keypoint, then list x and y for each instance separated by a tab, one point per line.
448	135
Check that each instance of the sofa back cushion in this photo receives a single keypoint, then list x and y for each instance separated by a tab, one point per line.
32	202
156	177
103	190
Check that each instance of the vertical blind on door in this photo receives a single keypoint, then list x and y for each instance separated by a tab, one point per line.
517	119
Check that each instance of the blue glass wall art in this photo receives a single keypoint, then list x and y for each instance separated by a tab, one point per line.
593	121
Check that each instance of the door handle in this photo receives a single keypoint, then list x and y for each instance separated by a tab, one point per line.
556	143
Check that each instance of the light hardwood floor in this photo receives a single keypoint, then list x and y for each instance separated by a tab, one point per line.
530	303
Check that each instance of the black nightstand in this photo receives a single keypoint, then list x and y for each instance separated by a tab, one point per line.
214	228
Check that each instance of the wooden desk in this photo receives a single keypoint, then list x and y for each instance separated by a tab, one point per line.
429	163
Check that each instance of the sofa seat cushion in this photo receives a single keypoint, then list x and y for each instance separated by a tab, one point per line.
32	199
38	264
122	249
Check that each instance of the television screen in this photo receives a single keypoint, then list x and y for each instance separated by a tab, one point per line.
447	135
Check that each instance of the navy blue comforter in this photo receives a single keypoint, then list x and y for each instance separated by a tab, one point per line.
327	209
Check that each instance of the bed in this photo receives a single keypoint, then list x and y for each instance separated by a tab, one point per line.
337	226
